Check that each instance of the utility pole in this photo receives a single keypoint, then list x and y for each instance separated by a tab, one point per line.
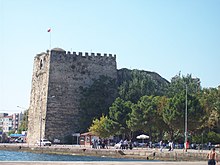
25	114
186	132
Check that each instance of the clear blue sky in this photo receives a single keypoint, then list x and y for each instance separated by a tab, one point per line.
164	36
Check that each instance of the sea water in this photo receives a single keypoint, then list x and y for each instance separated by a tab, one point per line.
28	156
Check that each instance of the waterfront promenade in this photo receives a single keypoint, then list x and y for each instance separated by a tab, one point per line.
192	157
105	163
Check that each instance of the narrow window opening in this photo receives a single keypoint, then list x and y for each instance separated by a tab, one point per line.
41	64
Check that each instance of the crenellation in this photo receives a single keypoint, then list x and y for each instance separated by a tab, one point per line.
80	53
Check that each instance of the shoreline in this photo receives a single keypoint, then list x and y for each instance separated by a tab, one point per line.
102	163
136	153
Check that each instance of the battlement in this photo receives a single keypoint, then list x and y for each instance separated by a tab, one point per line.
81	54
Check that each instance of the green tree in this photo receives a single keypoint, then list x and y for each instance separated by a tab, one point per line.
213	137
210	100
149	104
146	116
178	84
104	127
160	126
119	114
174	113
210	128
24	123
136	120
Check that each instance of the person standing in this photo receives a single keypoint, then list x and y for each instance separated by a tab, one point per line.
186	145
150	144
212	157
170	145
161	146
209	145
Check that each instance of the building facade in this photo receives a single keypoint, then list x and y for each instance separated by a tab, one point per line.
2	115
7	124
57	79
16	121
10	123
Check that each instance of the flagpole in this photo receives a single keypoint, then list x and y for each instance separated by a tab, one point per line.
49	31
50	40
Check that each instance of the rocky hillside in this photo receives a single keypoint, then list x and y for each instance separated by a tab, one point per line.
136	83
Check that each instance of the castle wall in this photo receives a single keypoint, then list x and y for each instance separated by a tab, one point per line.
59	87
37	109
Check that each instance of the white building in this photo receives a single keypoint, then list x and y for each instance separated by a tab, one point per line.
7	124
12	122
2	115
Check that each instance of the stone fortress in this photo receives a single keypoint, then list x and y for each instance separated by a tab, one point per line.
55	94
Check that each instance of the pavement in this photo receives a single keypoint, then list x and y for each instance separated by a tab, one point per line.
104	163
110	162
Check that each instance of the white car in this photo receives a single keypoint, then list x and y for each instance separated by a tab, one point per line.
217	146
20	140
44	142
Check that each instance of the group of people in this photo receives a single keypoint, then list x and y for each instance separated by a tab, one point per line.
104	144
170	144
124	144
100	144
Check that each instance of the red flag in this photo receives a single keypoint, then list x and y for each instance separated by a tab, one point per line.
49	30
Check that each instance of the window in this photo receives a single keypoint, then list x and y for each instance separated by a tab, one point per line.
41	64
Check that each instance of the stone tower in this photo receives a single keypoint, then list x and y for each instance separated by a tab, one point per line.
55	95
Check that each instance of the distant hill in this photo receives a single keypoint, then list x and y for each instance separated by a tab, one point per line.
137	83
126	74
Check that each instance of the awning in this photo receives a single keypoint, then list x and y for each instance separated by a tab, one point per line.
16	135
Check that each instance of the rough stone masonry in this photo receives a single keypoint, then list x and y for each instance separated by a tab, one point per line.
55	94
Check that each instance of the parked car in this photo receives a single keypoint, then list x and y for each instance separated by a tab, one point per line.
44	142
21	139
217	146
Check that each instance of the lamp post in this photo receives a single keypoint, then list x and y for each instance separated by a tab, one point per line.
25	109
186	133
40	120
202	141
